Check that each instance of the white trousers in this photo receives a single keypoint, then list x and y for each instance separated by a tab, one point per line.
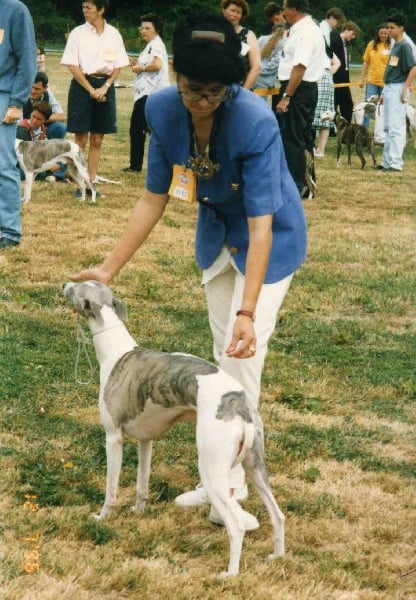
224	293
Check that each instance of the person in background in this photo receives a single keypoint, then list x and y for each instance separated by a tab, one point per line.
375	59
17	72
94	54
340	46
40	59
34	128
334	18
325	103
152	70
300	68
234	11
274	16
398	78
251	228
271	48
55	125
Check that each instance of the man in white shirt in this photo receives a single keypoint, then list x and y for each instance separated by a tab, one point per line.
302	64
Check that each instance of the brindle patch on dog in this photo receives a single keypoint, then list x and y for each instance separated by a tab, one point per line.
38	153
167	379
234	404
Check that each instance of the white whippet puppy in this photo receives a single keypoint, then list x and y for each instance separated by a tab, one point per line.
144	393
39	156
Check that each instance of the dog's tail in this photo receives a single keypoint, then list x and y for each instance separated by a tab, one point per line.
247	444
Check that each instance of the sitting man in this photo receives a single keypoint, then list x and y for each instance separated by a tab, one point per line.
34	129
55	125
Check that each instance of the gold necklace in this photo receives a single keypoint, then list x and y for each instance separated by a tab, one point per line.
201	163
203	166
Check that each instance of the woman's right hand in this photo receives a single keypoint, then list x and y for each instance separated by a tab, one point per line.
96	273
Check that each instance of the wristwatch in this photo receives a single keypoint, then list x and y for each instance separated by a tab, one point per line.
286	96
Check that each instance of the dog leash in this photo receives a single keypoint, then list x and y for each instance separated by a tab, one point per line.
82	341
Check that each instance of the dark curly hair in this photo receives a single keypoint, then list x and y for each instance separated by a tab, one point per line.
210	57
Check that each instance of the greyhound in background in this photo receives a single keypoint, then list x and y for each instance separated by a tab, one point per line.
144	393
350	134
38	156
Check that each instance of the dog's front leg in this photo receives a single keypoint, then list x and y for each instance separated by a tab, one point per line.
143	474
28	187
349	154
338	153
114	452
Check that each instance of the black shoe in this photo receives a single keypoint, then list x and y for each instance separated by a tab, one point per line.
130	170
393	170
6	242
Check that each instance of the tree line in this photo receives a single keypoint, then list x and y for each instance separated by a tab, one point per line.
53	19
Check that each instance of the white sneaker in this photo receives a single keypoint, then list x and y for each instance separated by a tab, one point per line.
249	521
196	497
199	497
50	178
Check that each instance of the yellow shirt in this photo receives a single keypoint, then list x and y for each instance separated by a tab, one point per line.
377	62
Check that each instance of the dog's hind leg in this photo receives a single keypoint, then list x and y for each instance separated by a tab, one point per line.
360	153
216	484
256	472
371	151
218	445
143	474
114	452
75	176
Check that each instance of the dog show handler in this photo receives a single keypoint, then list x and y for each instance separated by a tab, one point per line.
94	54
220	146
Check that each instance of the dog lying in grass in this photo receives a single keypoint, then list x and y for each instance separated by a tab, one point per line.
351	134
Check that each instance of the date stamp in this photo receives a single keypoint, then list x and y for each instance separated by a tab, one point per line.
31	543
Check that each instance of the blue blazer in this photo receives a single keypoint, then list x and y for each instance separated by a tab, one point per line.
253	178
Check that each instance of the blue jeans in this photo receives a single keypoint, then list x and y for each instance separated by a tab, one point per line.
394	126
371	90
56	130
10	193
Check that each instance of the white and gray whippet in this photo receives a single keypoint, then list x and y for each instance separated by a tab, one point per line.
38	156
144	393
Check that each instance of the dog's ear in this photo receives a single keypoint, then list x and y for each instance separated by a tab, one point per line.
120	309
94	309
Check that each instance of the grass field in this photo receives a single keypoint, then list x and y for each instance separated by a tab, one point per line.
338	401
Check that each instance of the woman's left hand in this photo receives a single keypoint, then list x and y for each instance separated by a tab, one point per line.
243	343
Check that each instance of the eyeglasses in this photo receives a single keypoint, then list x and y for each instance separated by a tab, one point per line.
214	98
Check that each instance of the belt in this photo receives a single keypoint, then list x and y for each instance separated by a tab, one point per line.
97	75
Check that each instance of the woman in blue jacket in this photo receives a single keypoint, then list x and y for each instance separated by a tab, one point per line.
218	144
